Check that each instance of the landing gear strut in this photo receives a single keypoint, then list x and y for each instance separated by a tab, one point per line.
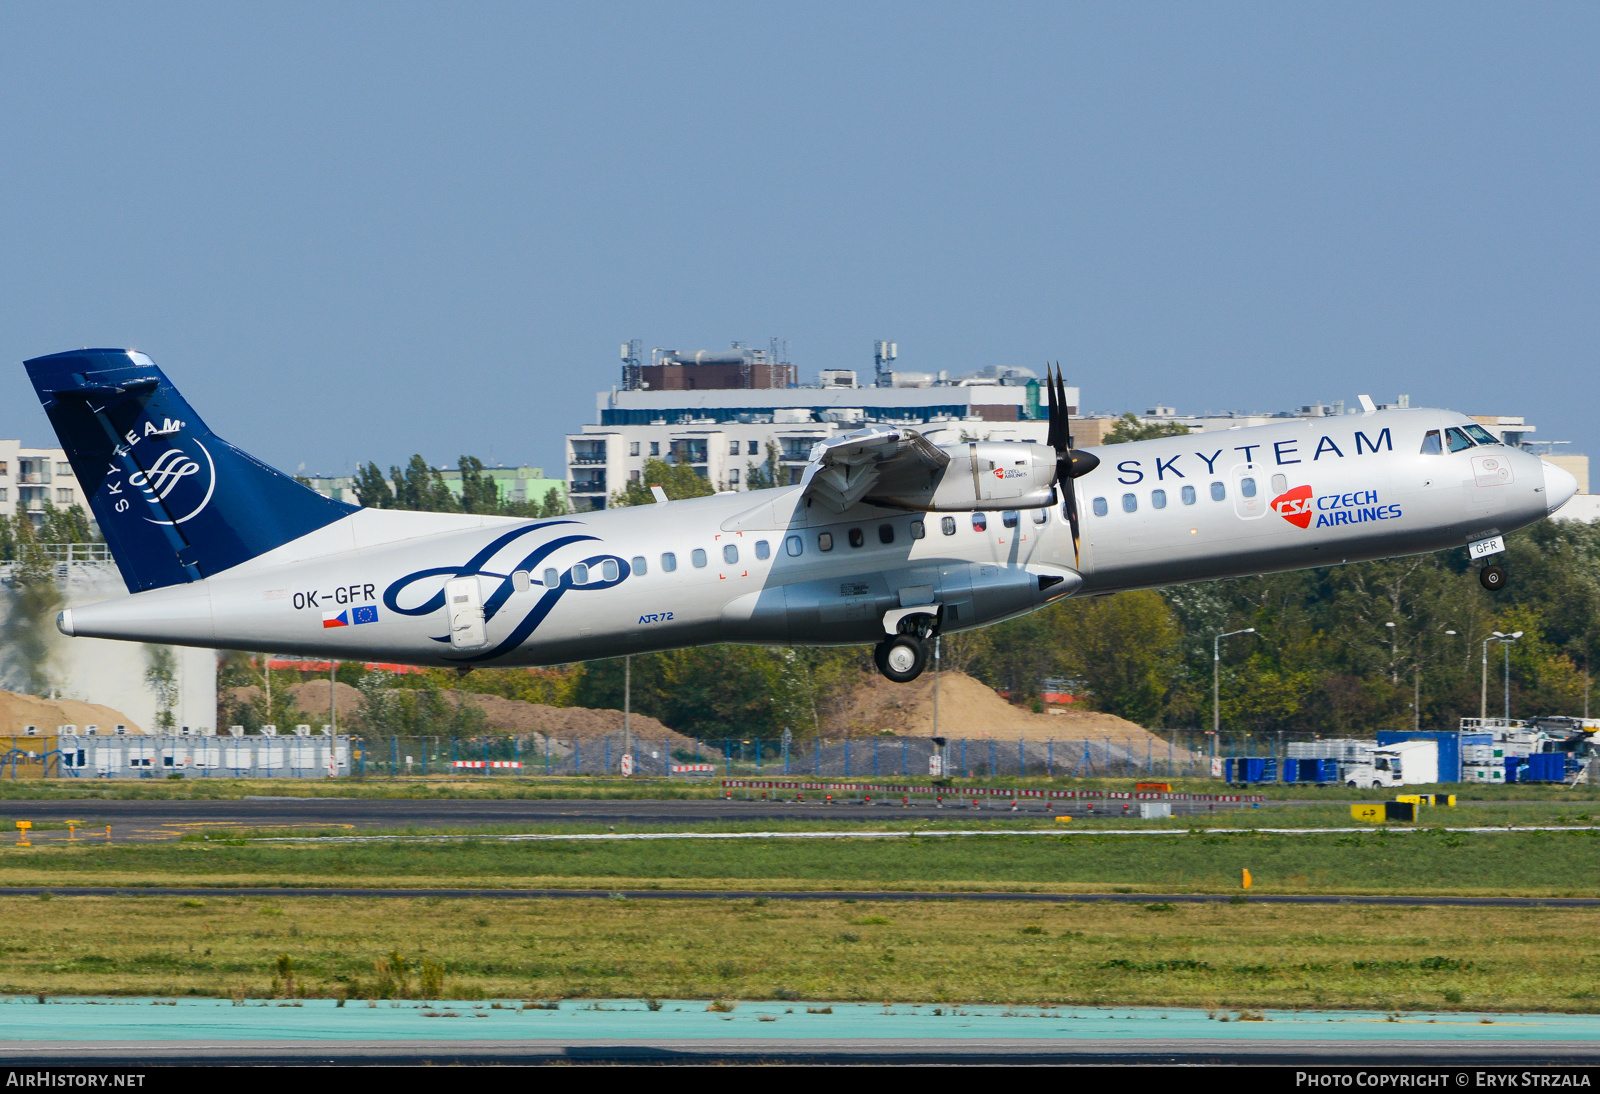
901	657
1492	578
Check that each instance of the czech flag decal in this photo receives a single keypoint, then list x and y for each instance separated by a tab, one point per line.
335	619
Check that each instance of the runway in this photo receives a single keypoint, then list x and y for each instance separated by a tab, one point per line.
855	895
79	1032
143	820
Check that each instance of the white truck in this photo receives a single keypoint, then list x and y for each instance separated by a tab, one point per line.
1408	763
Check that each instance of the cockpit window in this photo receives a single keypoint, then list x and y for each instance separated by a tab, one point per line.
1457	439
1480	434
1430	443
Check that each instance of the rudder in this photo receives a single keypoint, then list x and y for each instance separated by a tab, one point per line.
175	502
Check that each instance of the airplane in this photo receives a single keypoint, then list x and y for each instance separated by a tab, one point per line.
889	538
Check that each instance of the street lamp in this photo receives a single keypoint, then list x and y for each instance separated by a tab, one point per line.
1483	698
1216	677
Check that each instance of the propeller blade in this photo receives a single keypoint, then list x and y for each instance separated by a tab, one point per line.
1054	437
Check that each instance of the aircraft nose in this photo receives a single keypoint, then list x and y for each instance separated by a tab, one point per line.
1559	486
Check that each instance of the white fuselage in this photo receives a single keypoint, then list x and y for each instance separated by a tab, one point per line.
767	567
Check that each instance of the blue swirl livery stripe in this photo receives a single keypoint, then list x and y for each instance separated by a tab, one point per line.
471	567
547	603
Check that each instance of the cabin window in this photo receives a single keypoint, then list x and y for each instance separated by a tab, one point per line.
1187	494
917	530
1219	492
1100	509
609	570
795	546
947	525
1158	499
552	578
1475	431
730	553
763	549
580	574
1009	518
520	582
669	562
1279	484
1430	443
1457	440
825	541
857	537
698	557
885	533
1247	486
980	522
1130	503
639	567
1041	515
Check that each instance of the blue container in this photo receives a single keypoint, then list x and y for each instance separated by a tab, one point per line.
1252	769
1449	742
1311	771
1515	766
1546	767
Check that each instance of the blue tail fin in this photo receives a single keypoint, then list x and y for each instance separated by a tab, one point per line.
175	502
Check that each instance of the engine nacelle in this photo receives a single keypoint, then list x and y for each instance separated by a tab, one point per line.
981	475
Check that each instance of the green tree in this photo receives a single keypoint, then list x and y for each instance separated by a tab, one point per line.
554	504
1130	428
679	480
766	474
372	489
479	492
421	488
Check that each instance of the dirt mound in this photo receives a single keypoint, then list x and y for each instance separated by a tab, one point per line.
18	711
968	708
509	716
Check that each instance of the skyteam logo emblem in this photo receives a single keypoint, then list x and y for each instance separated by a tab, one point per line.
174	474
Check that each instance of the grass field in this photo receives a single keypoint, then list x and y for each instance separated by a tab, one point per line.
1218	956
1427	861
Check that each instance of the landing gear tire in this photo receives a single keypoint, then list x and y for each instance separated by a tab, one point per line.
1492	578
901	658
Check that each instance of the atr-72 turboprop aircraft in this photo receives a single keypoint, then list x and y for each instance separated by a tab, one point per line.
890	538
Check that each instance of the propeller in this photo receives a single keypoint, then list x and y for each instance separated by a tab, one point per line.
1070	463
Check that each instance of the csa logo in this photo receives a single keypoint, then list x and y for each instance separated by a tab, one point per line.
1294	506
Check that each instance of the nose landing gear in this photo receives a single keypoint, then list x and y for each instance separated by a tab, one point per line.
1492	578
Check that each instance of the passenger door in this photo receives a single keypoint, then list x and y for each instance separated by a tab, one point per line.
463	605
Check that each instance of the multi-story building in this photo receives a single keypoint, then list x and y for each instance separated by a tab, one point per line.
30	477
722	428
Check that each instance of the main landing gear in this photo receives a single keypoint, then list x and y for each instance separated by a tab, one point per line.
901	657
903	654
1492	578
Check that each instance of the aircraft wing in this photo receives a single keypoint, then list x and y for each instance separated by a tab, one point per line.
881	460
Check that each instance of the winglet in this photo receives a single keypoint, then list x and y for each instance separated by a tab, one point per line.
659	494
1367	405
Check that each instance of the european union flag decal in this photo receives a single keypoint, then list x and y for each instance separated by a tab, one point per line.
367	613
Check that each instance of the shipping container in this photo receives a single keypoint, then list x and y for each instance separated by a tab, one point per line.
1251	769
1452	745
1545	767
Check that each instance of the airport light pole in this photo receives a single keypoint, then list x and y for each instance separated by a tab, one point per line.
1216	678
1483	696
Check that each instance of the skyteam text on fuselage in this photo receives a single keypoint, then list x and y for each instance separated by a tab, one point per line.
889	539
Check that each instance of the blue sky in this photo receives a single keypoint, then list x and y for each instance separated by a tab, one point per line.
355	232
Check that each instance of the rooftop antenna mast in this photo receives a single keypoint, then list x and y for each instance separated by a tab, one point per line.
882	354
632	362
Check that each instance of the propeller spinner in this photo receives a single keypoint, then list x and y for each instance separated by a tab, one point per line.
1070	463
